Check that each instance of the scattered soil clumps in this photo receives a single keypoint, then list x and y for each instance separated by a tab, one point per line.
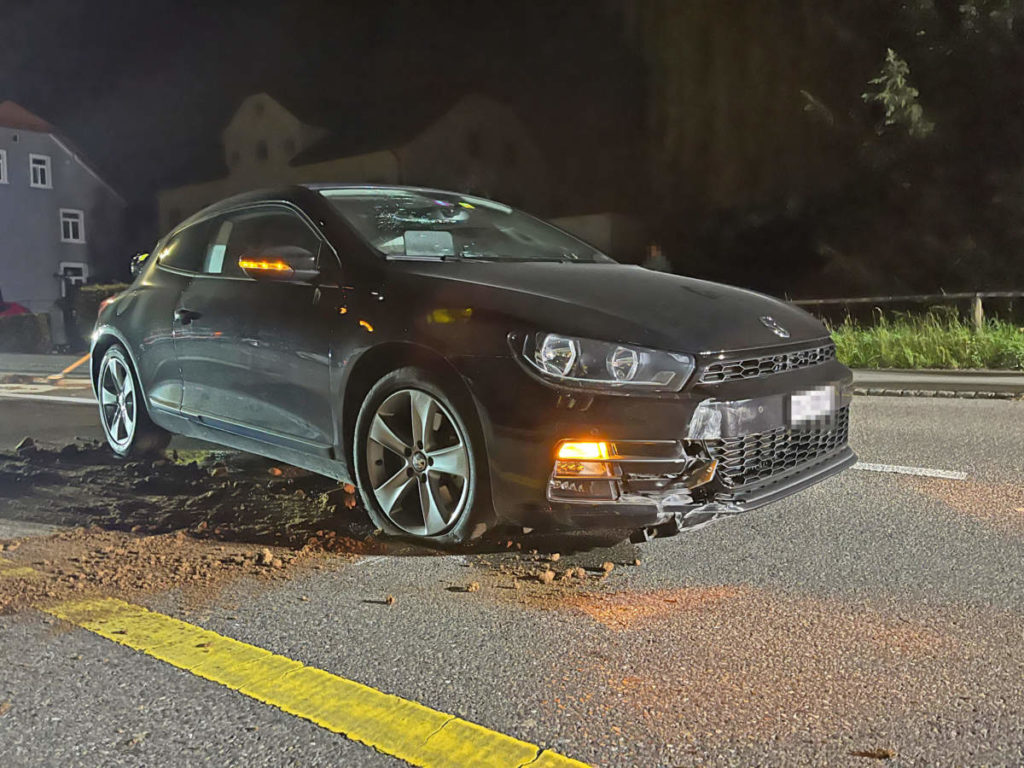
184	520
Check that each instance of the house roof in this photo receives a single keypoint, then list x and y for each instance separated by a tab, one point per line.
13	115
373	127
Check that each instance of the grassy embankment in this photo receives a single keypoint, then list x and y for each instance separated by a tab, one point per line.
933	340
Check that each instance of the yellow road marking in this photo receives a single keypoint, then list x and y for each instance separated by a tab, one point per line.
11	570
398	727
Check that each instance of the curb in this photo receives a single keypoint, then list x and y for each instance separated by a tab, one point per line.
966	394
958	373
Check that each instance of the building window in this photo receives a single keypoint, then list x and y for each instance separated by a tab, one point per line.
3	166
261	150
39	171
72	226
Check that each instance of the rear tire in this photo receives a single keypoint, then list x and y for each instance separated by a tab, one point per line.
419	461
126	424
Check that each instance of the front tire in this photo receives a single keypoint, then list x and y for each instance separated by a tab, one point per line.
419	462
129	431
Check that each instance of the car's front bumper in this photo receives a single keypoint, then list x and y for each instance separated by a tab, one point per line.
663	442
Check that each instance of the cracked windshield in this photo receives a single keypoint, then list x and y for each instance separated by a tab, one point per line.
424	224
563	384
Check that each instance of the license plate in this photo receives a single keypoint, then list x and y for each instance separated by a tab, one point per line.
811	407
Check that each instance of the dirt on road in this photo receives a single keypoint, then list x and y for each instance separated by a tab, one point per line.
180	521
197	520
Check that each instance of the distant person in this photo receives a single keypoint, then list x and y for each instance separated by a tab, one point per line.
656	259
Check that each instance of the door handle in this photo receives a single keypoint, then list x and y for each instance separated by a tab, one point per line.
185	316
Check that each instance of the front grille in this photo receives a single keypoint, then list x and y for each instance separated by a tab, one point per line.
753	458
754	367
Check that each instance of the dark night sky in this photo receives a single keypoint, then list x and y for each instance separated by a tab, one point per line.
144	87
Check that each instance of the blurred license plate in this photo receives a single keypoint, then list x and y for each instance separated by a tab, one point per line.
812	406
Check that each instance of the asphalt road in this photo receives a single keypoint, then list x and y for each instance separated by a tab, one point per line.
879	613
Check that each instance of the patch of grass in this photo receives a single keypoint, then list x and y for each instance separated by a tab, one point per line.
933	340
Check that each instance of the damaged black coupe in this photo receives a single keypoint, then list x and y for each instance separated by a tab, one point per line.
466	365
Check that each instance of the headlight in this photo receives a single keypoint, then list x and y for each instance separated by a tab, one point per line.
587	363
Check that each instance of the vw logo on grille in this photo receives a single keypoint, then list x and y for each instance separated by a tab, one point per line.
770	323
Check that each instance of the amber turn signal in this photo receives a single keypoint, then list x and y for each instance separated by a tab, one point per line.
262	265
584	450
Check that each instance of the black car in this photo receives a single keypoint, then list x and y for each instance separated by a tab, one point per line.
466	365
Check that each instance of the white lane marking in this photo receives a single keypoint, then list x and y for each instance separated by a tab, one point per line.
51	398
895	469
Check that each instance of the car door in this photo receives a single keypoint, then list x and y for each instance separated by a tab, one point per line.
154	298
254	354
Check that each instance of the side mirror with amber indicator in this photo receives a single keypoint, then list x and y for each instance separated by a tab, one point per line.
137	262
284	263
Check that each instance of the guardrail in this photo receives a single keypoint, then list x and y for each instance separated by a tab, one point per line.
977	310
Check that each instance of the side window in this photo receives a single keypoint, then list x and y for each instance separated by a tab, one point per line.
256	234
186	249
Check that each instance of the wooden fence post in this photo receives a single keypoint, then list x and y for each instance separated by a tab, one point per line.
977	313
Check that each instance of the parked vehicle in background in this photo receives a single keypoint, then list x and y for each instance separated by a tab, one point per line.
467	365
11	308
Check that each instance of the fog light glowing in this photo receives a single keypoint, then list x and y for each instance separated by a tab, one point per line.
573	450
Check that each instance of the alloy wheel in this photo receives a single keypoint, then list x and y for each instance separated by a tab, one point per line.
418	463
118	402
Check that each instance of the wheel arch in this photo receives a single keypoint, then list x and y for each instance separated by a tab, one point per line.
380	360
104	338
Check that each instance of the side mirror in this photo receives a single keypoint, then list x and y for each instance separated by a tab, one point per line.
286	262
138	260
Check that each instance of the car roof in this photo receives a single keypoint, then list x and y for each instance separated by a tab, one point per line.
384	187
296	194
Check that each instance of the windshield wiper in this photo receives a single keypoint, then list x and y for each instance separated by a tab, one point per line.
463	257
515	259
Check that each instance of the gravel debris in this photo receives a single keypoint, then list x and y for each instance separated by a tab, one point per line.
84	484
149	525
91	561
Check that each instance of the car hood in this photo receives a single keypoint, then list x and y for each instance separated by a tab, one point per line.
617	302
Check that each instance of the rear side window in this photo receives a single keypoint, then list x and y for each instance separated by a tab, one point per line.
186	249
